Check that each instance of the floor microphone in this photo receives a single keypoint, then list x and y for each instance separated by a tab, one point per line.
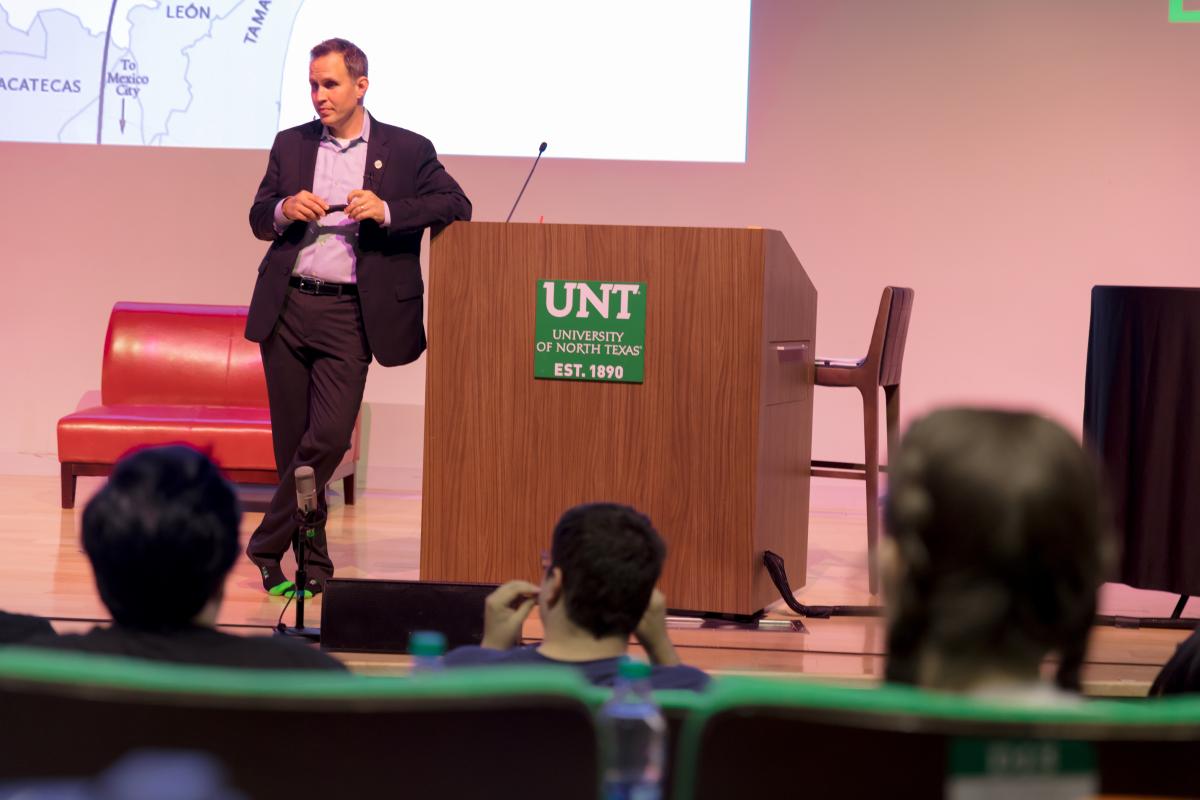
306	503
541	149
306	490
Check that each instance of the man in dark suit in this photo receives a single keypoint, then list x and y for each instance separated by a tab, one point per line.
344	203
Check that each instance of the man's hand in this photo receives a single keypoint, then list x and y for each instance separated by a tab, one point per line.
304	206
364	204
651	632
505	611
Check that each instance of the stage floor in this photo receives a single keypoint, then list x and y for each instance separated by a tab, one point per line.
46	573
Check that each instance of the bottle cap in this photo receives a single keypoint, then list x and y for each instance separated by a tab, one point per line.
634	670
426	643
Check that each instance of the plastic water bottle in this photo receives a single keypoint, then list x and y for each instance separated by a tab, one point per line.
633	737
426	648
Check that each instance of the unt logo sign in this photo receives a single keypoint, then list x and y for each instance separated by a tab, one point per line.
590	331
1180	14
583	296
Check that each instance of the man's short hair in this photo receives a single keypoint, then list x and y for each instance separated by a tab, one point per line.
610	557
356	59
161	535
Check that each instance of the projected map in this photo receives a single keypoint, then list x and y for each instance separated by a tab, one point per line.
144	73
479	77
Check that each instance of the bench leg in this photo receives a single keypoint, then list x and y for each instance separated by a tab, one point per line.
68	485
348	489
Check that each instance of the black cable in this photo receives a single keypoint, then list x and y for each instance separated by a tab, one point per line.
775	568
279	626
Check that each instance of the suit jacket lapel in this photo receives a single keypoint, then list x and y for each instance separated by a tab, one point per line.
309	142
377	153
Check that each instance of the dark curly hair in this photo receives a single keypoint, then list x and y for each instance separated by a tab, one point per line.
1002	540
610	557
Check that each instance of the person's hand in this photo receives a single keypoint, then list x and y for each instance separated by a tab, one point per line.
304	206
651	632
504	613
364	204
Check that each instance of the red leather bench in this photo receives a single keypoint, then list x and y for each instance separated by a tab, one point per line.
179	374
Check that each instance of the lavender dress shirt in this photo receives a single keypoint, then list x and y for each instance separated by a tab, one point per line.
329	250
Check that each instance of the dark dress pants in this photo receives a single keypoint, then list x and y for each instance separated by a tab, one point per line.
316	363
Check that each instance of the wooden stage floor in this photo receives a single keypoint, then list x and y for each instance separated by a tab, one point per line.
46	573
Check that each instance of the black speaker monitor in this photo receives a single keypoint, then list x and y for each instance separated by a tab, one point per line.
377	616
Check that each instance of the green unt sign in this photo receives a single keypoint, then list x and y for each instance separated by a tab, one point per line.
590	331
1181	14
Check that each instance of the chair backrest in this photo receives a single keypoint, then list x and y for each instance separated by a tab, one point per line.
165	353
766	738
470	733
890	333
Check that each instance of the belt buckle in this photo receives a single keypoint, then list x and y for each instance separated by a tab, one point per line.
310	285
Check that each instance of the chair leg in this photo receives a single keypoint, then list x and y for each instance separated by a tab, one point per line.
348	489
891	396
871	461
67	479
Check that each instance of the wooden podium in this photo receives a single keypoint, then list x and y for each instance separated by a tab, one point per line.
714	445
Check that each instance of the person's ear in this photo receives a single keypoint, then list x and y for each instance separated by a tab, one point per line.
360	86
551	587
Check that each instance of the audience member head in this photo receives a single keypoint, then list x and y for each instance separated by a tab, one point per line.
998	544
162	534
604	562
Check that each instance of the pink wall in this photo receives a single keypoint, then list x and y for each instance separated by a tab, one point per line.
999	156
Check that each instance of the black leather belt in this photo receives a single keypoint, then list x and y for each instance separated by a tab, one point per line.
317	286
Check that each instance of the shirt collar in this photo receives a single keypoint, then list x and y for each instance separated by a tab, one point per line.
365	136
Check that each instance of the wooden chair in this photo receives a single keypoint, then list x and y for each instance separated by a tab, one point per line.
879	368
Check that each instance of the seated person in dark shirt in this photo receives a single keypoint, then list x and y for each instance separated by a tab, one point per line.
20	627
162	536
1181	673
598	589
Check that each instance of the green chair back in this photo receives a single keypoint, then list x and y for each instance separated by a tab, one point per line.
500	732
759	737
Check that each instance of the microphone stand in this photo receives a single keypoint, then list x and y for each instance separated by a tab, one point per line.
541	149
304	531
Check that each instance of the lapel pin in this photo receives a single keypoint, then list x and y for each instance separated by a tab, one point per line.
378	164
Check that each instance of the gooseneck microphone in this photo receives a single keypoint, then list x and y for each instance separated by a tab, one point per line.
541	149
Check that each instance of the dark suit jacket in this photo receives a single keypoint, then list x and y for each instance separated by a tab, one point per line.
419	193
